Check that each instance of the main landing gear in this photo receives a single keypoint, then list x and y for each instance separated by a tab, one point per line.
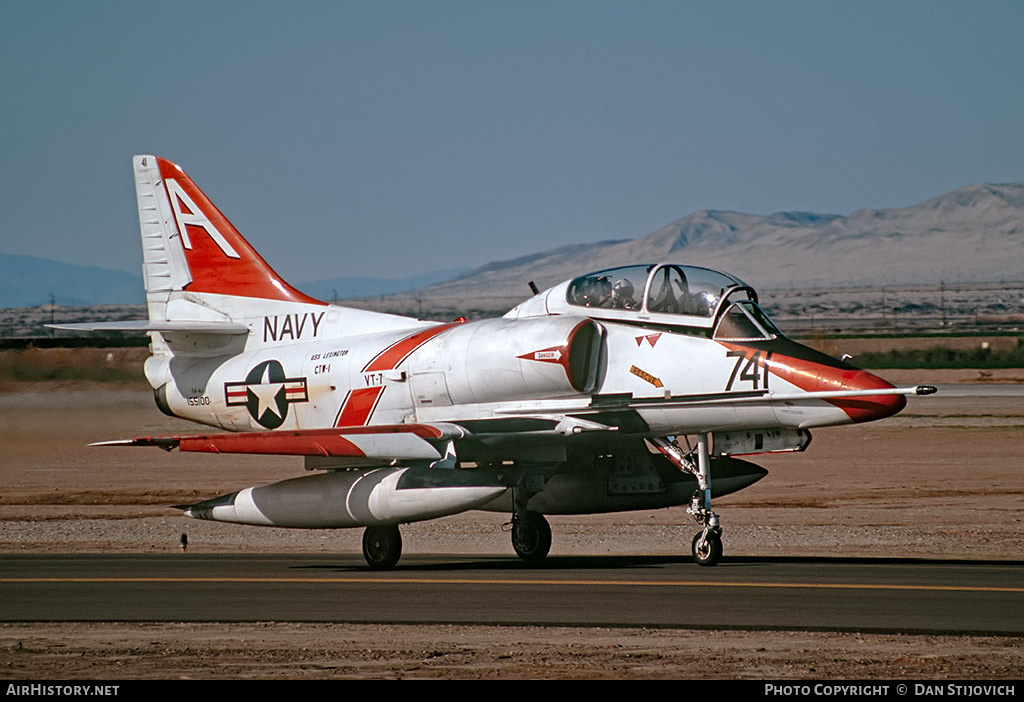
382	546
531	533
707	544
531	536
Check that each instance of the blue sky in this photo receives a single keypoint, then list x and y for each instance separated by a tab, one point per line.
394	138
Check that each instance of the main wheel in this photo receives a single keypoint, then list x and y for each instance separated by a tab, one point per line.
707	550
382	546
531	536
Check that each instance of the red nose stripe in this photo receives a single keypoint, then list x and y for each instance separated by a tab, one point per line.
817	377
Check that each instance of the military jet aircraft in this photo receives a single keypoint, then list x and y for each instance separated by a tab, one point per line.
625	389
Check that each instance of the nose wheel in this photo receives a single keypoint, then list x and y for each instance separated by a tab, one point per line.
707	547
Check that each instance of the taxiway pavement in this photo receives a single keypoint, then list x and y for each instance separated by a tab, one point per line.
814	594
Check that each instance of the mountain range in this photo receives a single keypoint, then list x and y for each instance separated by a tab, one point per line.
27	281
972	234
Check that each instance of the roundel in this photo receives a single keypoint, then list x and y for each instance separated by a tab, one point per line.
266	393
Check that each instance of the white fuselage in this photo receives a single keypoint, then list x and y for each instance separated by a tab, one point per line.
296	371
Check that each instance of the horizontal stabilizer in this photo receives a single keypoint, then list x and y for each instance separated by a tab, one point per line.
145	325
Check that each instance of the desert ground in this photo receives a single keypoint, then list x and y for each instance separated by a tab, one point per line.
944	479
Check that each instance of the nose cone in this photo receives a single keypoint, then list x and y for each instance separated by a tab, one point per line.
813	371
871	407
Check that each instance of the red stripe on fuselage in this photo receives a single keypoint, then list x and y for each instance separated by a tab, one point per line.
389	358
358	406
360	402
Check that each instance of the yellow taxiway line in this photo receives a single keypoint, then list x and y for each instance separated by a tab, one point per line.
531	581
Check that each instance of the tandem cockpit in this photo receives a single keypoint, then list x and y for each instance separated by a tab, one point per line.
698	300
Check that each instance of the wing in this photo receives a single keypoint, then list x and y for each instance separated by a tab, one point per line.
346	446
369	446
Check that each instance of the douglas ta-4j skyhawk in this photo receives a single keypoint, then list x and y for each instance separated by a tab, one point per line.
582	399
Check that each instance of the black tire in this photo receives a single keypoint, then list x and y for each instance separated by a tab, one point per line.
531	536
382	546
707	551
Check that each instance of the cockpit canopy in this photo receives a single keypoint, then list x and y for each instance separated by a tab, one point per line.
669	294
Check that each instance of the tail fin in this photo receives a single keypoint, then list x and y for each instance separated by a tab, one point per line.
204	282
188	245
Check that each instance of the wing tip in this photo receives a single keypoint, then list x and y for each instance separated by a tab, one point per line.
167	443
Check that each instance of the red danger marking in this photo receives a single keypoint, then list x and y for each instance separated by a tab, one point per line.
553	354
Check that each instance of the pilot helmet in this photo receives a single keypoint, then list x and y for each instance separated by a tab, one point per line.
623	288
622	292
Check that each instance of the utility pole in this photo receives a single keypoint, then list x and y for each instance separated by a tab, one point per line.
942	300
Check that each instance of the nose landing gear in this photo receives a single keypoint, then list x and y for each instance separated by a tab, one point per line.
707	544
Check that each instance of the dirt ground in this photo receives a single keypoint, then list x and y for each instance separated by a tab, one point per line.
346	651
944	479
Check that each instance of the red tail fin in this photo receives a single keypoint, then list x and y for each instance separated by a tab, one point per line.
219	259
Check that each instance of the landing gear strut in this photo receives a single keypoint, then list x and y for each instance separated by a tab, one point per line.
382	546
707	544
531	536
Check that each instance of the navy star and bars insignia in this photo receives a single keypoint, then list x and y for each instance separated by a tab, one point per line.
266	393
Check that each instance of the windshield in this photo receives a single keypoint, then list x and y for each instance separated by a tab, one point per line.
745	321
